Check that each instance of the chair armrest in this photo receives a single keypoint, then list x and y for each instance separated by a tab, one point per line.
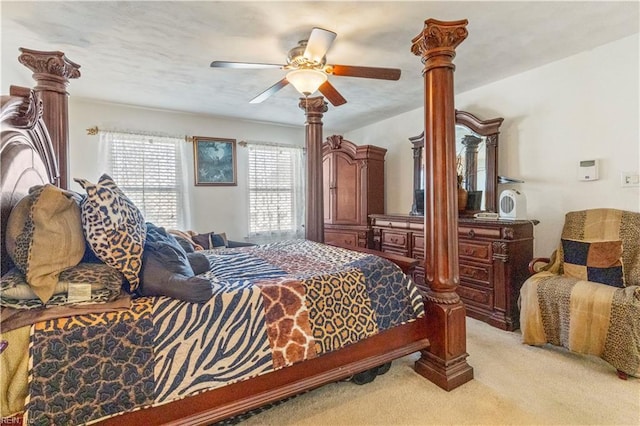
407	264
234	244
532	265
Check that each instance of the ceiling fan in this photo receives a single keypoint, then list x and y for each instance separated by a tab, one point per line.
308	69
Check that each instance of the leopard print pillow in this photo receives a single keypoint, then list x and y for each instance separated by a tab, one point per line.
113	227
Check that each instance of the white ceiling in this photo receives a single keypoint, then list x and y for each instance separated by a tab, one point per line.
157	54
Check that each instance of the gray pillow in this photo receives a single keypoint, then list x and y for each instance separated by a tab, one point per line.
167	270
186	245
199	262
157	280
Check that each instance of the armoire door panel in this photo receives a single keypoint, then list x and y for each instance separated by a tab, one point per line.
347	191
327	189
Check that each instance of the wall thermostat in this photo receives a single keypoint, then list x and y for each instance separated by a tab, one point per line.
588	170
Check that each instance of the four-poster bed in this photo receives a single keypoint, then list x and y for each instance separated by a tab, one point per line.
28	159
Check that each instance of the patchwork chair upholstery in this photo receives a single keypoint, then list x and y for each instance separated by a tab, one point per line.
586	297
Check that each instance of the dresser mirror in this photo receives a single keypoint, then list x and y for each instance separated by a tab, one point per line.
477	159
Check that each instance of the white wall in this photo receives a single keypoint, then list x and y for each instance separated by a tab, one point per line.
212	208
582	107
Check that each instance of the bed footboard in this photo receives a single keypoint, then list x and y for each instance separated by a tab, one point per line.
218	404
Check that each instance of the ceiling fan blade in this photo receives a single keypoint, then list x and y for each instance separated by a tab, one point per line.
242	65
331	94
270	91
318	44
365	72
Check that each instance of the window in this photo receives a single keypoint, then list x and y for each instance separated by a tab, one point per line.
148	169
276	192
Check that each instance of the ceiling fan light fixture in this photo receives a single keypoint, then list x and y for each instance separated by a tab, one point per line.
306	81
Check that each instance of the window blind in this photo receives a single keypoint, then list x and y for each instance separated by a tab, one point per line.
148	169
276	192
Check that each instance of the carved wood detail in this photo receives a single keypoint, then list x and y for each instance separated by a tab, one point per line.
25	112
334	141
501	251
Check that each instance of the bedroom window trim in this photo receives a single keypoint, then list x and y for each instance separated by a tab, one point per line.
149	168
275	191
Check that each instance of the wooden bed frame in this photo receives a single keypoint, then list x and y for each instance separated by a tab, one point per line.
30	156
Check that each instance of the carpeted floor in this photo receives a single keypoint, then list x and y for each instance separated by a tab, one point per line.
513	384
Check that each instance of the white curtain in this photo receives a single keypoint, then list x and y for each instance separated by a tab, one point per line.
276	192
150	171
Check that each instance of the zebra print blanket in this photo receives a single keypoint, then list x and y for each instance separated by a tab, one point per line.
273	306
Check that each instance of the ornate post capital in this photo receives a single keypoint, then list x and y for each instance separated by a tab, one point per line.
471	142
314	107
53	67
437	42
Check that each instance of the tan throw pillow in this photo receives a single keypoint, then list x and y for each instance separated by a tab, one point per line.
114	227
44	237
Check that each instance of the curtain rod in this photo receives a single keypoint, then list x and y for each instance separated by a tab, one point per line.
92	131
244	143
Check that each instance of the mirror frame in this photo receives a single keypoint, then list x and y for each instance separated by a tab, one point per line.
490	129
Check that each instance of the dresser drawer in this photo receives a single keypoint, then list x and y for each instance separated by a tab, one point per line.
418	242
389	223
395	250
349	239
477	273
476	296
395	239
475	232
476	250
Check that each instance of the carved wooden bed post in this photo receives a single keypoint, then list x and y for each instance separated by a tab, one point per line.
314	109
52	71
445	363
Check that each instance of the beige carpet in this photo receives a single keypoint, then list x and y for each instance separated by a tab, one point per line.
513	384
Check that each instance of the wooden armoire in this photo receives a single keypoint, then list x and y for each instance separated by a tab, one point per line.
353	188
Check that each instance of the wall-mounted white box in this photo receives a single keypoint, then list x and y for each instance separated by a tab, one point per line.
588	170
629	179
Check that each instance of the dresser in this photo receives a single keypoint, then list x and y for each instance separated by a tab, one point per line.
493	258
353	188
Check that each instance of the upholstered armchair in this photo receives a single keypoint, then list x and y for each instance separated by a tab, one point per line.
586	296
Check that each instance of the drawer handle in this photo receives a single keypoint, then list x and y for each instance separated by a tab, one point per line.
471	233
468	251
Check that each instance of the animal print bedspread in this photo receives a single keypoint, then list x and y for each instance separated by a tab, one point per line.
273	306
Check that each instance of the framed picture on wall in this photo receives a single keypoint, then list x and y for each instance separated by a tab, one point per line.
214	161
